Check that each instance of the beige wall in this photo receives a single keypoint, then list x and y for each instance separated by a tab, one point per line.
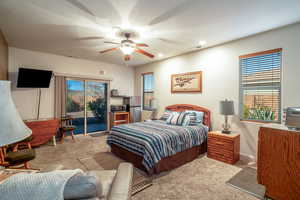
220	66
3	58
26	99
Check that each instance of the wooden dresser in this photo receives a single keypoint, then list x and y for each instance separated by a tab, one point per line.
223	147
278	162
117	118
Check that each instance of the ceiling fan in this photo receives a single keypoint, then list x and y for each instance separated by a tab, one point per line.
128	46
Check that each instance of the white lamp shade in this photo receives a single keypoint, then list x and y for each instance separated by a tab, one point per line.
12	127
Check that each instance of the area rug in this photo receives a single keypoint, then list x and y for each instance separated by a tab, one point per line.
246	181
108	161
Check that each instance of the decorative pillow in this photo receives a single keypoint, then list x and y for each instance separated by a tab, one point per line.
166	115
192	119
196	117
177	118
187	120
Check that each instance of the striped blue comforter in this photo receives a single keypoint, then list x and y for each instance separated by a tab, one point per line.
155	140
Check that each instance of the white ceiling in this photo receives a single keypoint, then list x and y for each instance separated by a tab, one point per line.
79	27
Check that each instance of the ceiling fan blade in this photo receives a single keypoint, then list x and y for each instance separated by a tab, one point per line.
144	53
111	42
141	45
127	57
107	50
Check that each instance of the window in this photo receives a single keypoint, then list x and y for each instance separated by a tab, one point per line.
260	85
148	90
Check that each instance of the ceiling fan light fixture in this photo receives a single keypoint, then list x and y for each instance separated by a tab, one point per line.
202	43
127	49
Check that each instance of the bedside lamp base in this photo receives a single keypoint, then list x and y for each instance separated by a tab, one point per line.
226	126
226	131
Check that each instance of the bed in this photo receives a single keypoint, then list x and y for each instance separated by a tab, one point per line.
156	146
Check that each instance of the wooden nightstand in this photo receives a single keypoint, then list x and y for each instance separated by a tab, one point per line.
223	147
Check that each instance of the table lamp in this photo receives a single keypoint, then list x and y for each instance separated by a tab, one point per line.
12	127
226	109
153	107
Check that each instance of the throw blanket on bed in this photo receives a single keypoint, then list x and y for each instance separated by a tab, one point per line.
39	186
155	140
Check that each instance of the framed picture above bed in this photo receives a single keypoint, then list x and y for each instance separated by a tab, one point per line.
186	82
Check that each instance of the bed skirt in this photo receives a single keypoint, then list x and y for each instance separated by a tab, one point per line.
165	164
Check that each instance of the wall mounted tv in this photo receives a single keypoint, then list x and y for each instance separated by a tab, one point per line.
33	78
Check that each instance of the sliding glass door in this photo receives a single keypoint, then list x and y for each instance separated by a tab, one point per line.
87	104
96	106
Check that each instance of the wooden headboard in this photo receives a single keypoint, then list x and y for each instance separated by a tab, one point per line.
183	107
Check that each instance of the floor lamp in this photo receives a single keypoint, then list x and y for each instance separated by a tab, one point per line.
12	127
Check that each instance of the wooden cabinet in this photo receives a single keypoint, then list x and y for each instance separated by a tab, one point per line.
117	118
223	147
278	162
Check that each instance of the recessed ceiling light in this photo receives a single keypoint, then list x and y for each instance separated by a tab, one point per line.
160	55
201	43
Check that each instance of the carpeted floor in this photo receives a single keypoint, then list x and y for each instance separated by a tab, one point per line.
202	178
246	181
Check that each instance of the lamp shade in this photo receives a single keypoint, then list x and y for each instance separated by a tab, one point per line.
226	107
12	127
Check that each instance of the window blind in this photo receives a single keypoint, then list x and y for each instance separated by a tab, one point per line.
260	86
148	90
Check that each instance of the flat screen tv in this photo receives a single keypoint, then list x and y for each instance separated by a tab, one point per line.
33	78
